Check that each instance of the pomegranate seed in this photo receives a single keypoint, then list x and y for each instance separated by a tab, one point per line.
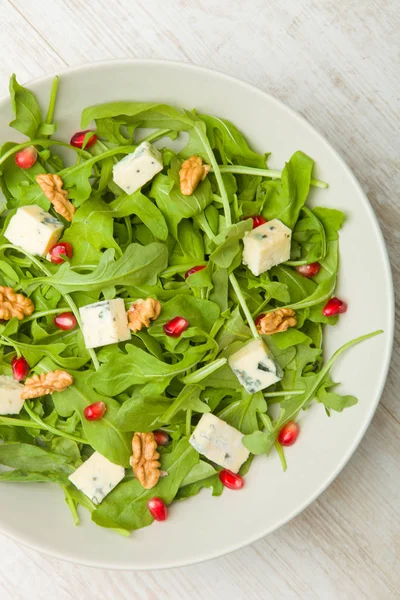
20	368
26	158
194	270
176	326
78	139
308	270
257	220
59	251
233	481
162	438
333	307
288	434
158	509
65	321
258	319
95	411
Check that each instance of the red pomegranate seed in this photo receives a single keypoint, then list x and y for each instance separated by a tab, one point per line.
176	326
59	251
288	434
20	368
26	157
194	270
333	307
258	220
158	509
95	411
258	319
162	438
233	481
65	321
309	270
78	139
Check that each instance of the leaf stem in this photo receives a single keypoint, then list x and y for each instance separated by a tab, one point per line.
53	430
189	422
272	173
44	143
204	372
244	306
217	172
155	135
52	102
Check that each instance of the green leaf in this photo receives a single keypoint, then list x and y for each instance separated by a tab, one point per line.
284	199
228	243
137	265
142	413
30	458
188	399
259	442
138	204
103	435
143	114
242	413
139	367
28	116
91	231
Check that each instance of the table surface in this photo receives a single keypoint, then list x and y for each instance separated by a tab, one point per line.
336	63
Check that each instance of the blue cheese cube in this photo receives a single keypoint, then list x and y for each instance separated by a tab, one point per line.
219	442
97	477
11	402
266	246
255	367
136	169
34	230
105	323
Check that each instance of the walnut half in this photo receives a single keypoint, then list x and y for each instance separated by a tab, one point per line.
46	383
277	321
141	312
51	186
14	305
144	460
192	172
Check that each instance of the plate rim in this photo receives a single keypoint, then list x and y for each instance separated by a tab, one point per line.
91	66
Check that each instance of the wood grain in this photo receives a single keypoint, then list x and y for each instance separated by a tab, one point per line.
337	63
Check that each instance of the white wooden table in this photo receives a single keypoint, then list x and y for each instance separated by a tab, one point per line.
337	63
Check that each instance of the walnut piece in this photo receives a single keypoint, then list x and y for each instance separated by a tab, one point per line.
52	188
141	312
277	321
192	172
144	460
46	383
14	305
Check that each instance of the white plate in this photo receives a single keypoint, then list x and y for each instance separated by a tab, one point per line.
205	527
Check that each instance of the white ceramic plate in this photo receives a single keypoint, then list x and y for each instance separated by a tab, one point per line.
205	527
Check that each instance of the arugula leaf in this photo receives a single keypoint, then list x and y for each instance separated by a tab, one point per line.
242	413
228	243
137	265
28	117
30	458
138	204
284	199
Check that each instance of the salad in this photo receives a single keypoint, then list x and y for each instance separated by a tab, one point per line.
162	312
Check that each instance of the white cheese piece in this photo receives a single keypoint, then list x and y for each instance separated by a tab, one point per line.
105	323
266	246
219	442
11	402
255	367
34	230
97	477
136	169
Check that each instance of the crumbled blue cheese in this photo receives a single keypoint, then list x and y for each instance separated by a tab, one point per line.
136	169
219	442
11	402
255	367
34	230
105	323
97	477
266	246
